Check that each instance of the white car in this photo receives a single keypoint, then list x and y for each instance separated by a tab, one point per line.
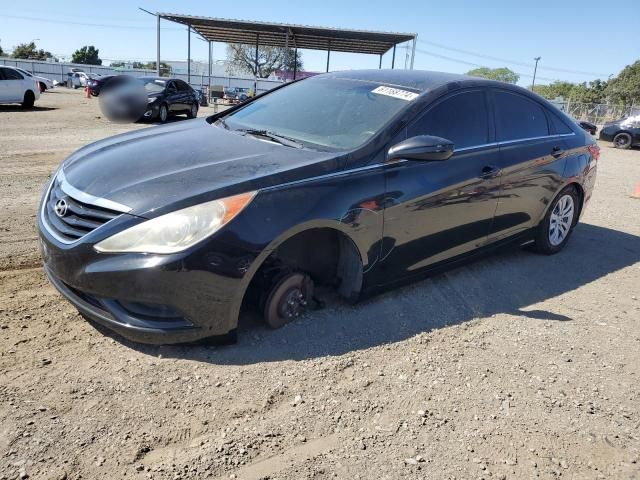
16	87
44	83
79	79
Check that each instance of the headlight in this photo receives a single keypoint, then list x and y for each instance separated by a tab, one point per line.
151	99
176	231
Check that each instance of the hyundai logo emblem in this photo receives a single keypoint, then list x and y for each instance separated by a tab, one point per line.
61	207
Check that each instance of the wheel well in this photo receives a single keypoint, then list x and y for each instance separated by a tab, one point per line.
329	256
580	191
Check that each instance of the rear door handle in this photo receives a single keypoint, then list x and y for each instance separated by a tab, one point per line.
490	171
557	152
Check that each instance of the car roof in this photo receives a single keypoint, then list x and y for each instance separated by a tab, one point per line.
420	80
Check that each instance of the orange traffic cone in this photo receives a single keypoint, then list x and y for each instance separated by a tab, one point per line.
88	92
636	192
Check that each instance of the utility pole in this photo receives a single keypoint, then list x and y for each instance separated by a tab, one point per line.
535	69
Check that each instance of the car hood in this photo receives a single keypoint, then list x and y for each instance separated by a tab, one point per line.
158	169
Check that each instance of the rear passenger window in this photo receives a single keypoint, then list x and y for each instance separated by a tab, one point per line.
559	127
517	117
461	119
10	74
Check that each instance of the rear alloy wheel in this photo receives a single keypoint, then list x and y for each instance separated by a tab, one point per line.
622	141
163	114
288	299
29	99
193	113
554	231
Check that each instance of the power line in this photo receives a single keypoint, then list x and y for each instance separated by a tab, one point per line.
477	65
99	25
514	62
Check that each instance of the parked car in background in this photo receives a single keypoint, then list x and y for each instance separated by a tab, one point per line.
237	94
358	180
80	79
18	87
98	82
169	96
44	83
623	133
588	126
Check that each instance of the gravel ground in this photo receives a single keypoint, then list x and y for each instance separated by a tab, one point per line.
515	366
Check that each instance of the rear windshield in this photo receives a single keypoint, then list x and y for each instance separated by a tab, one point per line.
338	114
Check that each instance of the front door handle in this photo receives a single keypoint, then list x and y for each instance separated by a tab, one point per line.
557	152
490	171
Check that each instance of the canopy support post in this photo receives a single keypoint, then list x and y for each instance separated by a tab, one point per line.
286	56
295	63
380	64
209	76
413	51
189	54
393	59
328	55
255	81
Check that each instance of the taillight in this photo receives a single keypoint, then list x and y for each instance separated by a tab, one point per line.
594	150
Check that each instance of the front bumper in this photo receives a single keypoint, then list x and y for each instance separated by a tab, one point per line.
158	299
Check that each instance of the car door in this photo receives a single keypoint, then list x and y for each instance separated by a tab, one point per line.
173	97
12	85
532	159
186	95
439	209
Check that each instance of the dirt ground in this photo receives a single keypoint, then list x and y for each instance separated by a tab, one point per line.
515	366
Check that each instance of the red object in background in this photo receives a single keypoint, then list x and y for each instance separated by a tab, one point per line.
595	151
636	193
87	91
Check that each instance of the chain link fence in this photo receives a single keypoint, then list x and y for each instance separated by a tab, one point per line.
597	113
59	71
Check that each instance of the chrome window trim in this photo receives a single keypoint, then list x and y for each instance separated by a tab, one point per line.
517	140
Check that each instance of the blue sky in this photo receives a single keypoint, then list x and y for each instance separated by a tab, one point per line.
572	35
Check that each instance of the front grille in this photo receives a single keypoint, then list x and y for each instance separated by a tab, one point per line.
73	219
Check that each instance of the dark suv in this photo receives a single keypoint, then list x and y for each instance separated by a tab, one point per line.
623	133
356	180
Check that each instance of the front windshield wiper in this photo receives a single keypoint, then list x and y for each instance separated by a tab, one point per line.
276	137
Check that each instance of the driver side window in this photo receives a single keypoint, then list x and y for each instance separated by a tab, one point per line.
461	118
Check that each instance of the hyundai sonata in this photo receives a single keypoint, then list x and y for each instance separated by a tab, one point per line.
356	180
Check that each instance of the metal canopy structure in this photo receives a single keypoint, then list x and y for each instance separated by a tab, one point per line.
299	36
284	35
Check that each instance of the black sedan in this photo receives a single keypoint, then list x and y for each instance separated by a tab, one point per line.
96	84
623	133
357	180
169	96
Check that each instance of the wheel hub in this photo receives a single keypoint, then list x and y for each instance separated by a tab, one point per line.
292	303
561	220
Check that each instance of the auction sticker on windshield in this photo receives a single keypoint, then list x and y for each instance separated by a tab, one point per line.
395	92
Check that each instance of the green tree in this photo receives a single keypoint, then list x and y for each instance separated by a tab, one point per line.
1	51
625	88
165	70
242	59
500	74
30	52
87	55
587	92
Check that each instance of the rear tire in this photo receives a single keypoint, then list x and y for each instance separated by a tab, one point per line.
555	229
193	112
29	99
622	141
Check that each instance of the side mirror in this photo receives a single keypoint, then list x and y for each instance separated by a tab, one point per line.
422	147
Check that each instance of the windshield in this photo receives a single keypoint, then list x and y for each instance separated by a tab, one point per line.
153	85
335	113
